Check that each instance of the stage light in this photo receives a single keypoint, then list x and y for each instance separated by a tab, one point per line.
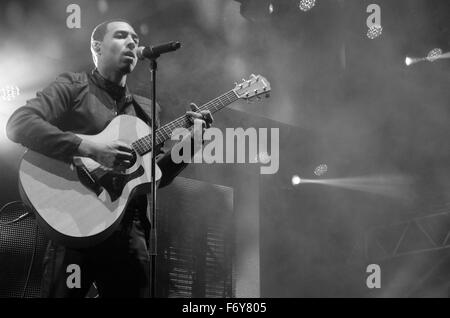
320	170
9	92
434	54
408	61
306	5
262	157
395	186
271	8
374	31
296	180
413	60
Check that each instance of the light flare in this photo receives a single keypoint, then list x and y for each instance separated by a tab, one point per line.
395	186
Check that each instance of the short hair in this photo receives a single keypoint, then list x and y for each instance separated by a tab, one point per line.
99	32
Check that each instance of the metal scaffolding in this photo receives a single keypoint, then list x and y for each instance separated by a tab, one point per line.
418	235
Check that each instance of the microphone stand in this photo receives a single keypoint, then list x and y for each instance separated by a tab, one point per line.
152	54
153	233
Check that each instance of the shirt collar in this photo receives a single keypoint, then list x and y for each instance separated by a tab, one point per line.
116	91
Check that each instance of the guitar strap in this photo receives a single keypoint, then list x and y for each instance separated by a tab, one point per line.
140	112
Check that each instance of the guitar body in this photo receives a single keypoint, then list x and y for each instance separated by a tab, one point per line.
81	204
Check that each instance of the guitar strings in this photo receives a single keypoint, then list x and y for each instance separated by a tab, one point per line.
143	145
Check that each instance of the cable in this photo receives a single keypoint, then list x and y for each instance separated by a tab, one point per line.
16	219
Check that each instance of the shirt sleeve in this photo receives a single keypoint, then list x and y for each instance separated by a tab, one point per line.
34	125
168	168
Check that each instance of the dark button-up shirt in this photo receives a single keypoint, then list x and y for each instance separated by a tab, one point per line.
82	103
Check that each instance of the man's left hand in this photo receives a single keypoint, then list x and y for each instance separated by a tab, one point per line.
204	115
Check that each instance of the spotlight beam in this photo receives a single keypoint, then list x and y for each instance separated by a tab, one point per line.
386	185
413	60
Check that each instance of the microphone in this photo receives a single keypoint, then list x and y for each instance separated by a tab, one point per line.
151	52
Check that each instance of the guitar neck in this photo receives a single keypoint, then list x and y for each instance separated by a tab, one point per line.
144	145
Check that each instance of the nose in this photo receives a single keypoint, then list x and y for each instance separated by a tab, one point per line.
131	44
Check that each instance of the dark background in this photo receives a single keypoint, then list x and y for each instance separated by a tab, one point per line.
338	98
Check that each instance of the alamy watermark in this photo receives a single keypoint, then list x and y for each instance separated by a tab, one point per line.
74	278
73	20
374	279
373	21
234	138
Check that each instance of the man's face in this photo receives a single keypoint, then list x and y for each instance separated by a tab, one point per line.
118	49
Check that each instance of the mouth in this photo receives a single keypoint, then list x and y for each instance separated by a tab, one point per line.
129	54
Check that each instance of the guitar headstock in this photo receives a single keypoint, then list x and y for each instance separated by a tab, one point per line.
255	86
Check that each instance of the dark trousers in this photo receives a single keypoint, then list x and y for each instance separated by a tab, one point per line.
119	266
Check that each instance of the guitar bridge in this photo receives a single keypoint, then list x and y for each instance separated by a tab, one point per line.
87	179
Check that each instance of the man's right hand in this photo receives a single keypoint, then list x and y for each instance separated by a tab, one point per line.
115	155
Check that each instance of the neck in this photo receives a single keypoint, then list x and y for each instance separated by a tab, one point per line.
114	76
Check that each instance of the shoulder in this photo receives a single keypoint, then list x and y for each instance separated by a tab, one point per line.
72	78
67	84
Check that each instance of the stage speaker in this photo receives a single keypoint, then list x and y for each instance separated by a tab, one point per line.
22	249
196	244
196	240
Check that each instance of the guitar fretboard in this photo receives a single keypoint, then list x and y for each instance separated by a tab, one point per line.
144	144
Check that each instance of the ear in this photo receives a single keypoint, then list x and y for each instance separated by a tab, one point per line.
96	47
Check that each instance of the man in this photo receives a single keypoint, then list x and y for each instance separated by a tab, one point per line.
84	103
